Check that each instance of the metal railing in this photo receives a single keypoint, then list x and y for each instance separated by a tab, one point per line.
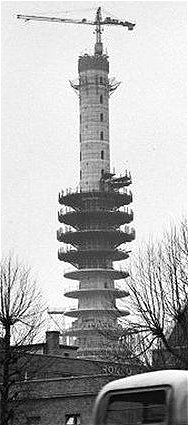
98	325
130	231
122	210
88	247
78	189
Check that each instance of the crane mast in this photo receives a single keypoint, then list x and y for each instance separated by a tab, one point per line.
98	25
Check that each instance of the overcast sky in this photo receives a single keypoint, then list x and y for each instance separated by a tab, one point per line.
40	125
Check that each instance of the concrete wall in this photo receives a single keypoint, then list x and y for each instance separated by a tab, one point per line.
94	123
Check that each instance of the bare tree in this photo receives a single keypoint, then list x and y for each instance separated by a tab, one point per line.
21	311
156	332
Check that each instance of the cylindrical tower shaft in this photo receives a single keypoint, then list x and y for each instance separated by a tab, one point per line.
94	120
92	212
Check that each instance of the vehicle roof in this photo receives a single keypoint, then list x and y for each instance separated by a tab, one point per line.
177	379
150	379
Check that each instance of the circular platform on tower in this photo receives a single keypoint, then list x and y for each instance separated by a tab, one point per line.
117	293
76	256
79	274
78	199
75	312
116	237
108	218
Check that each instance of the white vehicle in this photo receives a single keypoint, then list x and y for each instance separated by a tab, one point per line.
154	398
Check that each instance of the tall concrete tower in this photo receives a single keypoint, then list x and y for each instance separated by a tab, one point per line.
95	215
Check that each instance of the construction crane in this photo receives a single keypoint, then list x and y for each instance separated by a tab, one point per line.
98	22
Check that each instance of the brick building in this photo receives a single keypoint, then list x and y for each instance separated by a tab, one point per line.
53	386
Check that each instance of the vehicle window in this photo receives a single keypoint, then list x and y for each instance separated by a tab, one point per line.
148	407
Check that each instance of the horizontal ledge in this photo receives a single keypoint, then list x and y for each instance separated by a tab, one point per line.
78	312
119	293
82	273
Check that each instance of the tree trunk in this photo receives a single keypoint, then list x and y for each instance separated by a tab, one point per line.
6	378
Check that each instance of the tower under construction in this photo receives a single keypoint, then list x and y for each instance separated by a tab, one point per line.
96	215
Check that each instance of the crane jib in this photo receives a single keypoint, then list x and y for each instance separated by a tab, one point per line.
107	21
52	19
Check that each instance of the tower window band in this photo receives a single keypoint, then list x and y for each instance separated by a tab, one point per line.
101	135
101	117
101	99
102	154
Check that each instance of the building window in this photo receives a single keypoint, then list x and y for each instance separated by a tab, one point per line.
80	156
101	135
96	83
80	174
101	117
80	138
101	99
72	419
101	80
86	85
80	118
102	154
102	172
